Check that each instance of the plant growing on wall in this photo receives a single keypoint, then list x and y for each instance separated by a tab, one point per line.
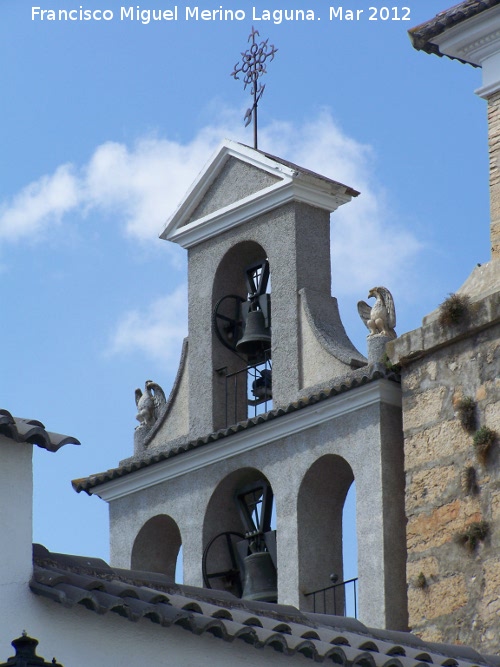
474	533
454	310
395	368
466	412
483	441
469	480
421	581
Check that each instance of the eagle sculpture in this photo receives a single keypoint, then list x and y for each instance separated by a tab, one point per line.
149	403
380	318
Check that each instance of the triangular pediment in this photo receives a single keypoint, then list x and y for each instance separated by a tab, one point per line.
238	184
235	181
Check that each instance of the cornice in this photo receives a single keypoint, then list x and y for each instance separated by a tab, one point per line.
253	206
487	91
474	40
482	46
379	391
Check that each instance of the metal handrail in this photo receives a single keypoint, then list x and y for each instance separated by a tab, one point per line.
334	587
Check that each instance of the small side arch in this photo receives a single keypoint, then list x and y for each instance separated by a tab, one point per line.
157	546
320	505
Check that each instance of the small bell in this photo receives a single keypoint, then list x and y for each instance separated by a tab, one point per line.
261	580
256	338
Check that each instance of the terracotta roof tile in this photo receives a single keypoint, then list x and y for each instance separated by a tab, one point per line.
422	35
32	431
350	191
73	580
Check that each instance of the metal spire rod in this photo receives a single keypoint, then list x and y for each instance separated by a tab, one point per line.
252	67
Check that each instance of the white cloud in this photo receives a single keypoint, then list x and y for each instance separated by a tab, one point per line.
368	248
154	330
144	183
40	204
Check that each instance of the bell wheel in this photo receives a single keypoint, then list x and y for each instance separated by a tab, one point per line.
227	321
220	564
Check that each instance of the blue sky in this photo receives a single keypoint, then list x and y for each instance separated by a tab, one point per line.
105	125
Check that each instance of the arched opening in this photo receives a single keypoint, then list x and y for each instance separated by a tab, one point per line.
238	540
241	310
350	551
157	545
326	534
179	567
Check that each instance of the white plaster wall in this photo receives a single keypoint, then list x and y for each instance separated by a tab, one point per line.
78	637
16	511
316	364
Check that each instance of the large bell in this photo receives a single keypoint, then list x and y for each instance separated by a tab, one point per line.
257	338
261	581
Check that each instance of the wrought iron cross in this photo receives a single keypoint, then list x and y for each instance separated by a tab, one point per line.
253	66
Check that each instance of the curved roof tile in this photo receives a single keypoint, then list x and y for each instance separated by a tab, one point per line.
422	35
32	431
90	582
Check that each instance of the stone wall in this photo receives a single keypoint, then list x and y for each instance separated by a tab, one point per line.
453	586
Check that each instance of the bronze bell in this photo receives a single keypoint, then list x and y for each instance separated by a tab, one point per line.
261	580
257	338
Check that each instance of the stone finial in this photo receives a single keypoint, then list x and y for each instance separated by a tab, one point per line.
380	320
149	404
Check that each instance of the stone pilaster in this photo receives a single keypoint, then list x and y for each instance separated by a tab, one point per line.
494	153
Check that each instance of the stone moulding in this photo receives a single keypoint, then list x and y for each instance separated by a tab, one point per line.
431	337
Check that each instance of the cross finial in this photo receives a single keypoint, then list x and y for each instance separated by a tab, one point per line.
253	66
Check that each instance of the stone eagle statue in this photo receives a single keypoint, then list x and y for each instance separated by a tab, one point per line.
380	318
149	403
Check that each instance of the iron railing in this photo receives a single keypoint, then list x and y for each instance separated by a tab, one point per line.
257	395
338	601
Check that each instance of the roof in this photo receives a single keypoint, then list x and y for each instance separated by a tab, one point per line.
92	583
33	431
422	35
355	379
305	172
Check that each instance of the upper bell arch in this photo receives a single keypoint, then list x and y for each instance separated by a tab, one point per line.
229	298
